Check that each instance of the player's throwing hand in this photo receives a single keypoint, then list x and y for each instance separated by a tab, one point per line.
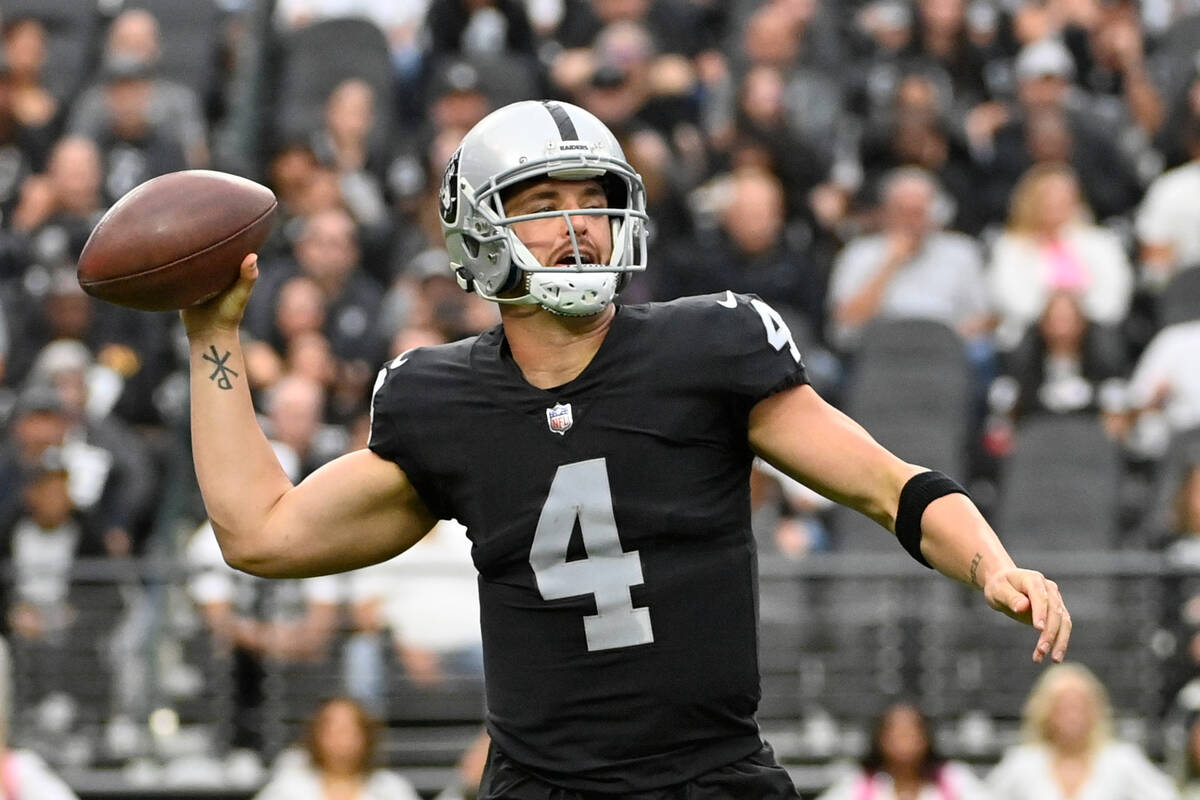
1032	598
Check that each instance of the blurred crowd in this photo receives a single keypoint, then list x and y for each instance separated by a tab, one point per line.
1022	172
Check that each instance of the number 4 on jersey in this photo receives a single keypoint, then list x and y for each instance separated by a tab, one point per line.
778	334
580	491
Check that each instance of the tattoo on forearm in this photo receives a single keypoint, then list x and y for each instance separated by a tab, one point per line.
221	372
975	568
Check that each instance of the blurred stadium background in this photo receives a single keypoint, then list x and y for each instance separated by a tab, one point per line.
979	218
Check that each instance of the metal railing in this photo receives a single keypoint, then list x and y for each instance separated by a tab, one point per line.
133	675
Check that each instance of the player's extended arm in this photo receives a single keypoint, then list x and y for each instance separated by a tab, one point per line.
354	511
818	445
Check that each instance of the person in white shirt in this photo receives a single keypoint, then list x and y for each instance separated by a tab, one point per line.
1069	750
1164	389
432	640
1050	246
911	269
1168	221
335	762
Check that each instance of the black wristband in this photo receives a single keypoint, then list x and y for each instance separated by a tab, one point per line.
920	490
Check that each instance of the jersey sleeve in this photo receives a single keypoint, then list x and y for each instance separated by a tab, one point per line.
395	413
748	348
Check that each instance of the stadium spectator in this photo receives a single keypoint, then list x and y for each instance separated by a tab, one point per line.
911	268
400	20
336	761
327	252
256	626
915	129
1050	245
134	147
882	30
1069	749
34	106
749	250
943	42
1064	364
295	409
299	310
784	36
415	212
762	120
1183	107
50	216
25	773
902	761
134	345
1188	768
479	28
1181	547
676	25
1168	223
349	142
1164	390
633	86
112	475
787	519
58	625
310	356
435	644
427	298
998	134
1110	50
58	209
172	107
23	147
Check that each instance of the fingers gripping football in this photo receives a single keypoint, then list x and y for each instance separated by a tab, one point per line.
223	312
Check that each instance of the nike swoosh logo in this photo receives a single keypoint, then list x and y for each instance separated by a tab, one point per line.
730	301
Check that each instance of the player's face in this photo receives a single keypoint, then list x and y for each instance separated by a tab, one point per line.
549	239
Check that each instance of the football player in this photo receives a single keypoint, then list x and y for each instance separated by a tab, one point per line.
598	455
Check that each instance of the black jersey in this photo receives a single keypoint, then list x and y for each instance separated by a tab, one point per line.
610	526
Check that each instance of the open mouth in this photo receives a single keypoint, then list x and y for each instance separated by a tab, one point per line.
568	259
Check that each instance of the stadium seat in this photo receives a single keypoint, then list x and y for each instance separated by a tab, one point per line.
1183	452
1060	494
191	33
1181	297
72	33
1060	487
319	56
911	388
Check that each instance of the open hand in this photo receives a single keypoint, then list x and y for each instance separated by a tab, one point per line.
1032	598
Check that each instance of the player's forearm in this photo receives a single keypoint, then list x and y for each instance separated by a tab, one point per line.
239	475
959	543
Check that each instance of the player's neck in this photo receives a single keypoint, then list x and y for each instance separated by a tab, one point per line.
552	349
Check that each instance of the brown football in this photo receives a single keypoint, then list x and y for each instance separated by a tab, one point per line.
176	240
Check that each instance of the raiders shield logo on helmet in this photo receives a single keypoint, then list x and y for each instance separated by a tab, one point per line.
448	196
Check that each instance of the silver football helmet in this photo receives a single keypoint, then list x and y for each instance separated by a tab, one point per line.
536	139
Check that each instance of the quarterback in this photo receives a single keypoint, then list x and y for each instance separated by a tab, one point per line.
598	455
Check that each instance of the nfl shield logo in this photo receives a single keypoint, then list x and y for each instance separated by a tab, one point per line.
559	418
